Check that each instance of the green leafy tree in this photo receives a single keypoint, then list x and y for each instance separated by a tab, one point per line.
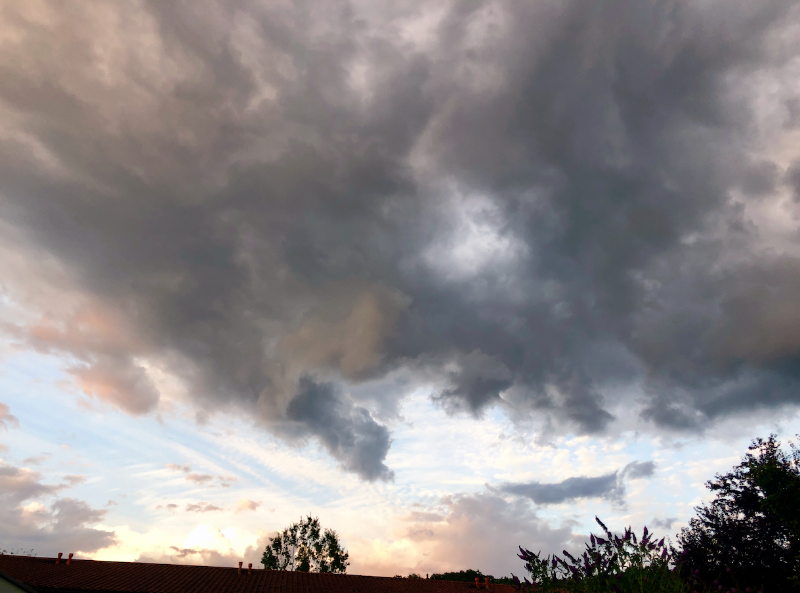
750	533
304	547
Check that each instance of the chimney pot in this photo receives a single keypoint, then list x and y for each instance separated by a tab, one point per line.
240	567
58	560
69	560
486	580
477	582
250	568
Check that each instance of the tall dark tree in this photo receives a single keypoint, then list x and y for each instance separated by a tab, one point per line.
304	547
752	527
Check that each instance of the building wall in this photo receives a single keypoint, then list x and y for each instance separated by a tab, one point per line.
7	586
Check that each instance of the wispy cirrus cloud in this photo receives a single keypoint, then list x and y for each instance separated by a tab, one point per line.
186	468
200	479
201	507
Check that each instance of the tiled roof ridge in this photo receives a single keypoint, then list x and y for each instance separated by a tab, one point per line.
50	575
199	566
213	567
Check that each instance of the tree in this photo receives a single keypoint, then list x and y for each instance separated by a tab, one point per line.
468	576
750	533
303	547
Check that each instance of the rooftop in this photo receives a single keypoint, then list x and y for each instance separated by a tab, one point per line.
48	575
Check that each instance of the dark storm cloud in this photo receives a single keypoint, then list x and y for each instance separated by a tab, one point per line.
664	524
523	203
480	380
348	432
610	486
793	179
605	486
639	469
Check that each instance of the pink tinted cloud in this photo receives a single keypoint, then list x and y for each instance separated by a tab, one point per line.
245	504
202	507
186	468
7	419
118	382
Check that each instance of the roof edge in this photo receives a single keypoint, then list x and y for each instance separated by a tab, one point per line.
15	582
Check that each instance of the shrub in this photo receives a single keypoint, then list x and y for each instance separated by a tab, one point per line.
619	564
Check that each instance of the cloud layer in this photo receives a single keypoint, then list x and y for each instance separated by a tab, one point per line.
66	524
609	486
588	217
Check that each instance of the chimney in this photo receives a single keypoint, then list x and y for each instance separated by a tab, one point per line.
250	568
240	567
477	582
486	580
58	560
69	560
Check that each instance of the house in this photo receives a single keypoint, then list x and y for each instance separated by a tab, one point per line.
59	575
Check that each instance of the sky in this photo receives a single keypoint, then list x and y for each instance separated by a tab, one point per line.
453	276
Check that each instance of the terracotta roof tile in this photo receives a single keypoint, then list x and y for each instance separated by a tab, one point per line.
140	577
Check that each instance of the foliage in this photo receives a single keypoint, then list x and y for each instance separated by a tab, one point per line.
750	533
303	547
462	575
503	580
18	552
469	576
613	563
747	539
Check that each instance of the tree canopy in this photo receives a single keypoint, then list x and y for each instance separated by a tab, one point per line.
752	527
304	547
469	576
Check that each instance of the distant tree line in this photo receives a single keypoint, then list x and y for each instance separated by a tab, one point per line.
469	576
